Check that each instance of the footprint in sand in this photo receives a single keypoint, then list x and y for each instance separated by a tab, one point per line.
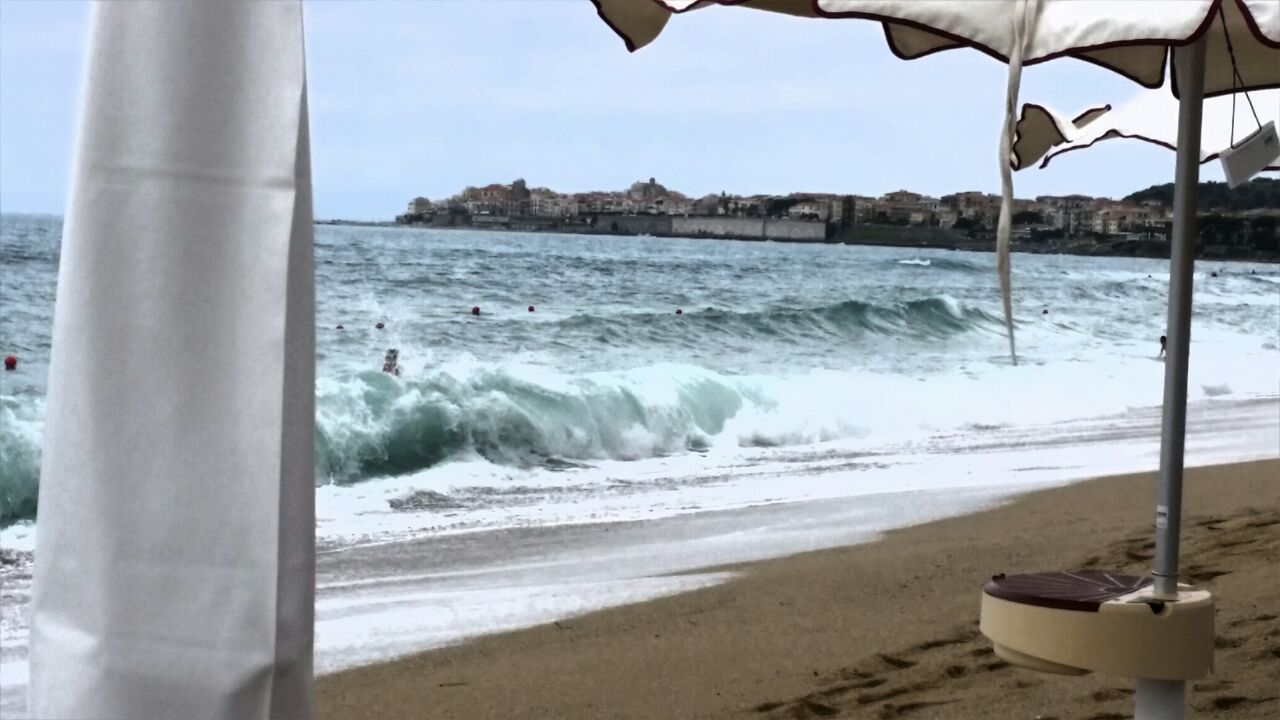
896	711
894	662
895	685
1212	686
1106	694
1222	642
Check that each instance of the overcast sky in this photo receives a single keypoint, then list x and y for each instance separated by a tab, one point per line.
425	97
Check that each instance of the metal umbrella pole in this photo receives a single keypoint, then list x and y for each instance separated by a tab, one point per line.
1165	699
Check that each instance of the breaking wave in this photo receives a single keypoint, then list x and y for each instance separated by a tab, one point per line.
922	319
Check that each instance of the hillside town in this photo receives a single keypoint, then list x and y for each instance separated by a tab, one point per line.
1051	223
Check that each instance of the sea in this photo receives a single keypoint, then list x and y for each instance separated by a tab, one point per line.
625	407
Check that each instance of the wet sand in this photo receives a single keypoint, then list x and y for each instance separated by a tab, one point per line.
880	630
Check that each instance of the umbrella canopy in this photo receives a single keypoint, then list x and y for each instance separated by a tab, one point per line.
1151	116
1131	37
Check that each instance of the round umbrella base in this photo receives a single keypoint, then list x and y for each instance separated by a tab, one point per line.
1088	621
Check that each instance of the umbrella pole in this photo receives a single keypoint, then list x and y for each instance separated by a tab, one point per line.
1164	698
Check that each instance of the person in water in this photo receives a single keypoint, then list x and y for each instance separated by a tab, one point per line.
1163	341
391	365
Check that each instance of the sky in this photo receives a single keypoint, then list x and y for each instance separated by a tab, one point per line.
427	97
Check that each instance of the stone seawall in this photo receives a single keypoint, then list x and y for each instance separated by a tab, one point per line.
634	224
736	228
749	228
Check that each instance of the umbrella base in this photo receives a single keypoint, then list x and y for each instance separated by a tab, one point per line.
1088	621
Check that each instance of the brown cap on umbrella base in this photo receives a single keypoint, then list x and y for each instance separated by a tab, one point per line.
1088	621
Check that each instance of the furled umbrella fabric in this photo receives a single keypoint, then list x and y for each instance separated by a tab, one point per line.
1150	116
174	571
1130	37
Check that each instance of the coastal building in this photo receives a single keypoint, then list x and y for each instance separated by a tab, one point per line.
547	203
896	208
647	192
842	212
647	207
902	197
677	205
819	210
708	205
1072	214
973	205
518	191
863	209
492	193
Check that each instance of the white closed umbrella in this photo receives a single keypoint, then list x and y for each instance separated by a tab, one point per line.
1215	47
174	571
1150	116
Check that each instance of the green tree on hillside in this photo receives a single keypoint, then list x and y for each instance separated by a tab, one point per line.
1260	192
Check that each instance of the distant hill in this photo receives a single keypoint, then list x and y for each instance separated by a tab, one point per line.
1257	193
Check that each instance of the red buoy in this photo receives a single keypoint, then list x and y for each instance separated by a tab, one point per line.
530	308
10	362
475	310
679	311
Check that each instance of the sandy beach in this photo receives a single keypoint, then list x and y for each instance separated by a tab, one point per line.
879	630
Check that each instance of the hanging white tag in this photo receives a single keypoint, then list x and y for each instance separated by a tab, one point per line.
1254	153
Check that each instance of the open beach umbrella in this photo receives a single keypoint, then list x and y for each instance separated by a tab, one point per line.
1151	116
174	572
1217	47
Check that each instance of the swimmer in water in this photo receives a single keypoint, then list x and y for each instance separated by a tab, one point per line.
391	365
1163	341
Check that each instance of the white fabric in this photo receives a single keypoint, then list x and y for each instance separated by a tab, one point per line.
1023	24
1150	116
1131	37
175	554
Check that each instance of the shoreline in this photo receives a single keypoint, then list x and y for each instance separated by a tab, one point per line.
774	640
